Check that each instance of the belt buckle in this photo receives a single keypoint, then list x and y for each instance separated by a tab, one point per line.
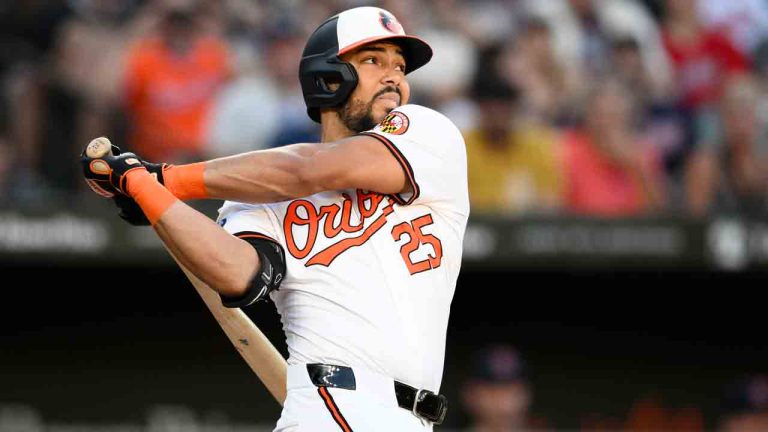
420	395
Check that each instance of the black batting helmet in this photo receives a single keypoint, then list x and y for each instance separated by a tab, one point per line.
320	62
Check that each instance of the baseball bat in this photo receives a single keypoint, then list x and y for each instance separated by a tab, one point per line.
257	351
98	147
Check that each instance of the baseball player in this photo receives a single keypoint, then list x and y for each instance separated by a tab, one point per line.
357	239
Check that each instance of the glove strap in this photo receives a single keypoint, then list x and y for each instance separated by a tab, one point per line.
186	182
150	195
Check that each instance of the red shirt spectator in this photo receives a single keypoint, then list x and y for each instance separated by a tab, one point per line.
701	63
599	185
609	170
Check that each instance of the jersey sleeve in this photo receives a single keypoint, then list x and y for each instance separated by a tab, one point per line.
256	225
431	151
249	221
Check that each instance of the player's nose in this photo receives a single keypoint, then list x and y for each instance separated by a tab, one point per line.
393	77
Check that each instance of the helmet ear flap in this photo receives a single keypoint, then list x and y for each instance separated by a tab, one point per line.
318	74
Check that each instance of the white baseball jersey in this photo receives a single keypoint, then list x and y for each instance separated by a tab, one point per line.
370	277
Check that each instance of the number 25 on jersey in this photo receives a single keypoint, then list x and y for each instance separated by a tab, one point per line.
416	238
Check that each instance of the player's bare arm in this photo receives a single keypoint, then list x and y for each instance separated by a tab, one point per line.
224	262
358	162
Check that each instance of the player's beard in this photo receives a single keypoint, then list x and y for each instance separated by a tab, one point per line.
357	116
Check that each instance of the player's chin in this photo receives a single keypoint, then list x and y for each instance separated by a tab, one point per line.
380	110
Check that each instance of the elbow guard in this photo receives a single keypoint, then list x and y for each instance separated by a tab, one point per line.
269	276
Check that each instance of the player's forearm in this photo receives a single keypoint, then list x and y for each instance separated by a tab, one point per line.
226	263
255	177
295	171
261	176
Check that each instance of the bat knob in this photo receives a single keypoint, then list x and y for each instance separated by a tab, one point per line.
99	147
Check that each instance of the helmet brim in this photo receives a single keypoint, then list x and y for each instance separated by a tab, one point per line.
416	51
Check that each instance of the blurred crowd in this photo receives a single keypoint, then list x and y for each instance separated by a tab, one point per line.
498	395
608	108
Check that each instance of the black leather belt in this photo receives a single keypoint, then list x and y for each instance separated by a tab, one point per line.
422	403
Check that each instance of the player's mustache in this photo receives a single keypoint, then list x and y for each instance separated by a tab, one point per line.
389	89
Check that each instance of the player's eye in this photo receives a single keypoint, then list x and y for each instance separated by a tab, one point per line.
400	67
369	60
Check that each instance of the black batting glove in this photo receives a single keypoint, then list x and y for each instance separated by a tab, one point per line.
109	182
106	175
129	211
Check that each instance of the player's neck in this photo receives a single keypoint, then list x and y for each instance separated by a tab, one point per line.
332	128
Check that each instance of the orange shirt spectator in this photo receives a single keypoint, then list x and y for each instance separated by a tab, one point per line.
600	185
169	96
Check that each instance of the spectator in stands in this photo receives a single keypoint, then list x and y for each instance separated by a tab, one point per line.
746	405
627	65
85	85
702	57
760	74
513	166
484	22
6	161
284	54
609	170
90	53
454	51
497	394
583	30
29	30
729	171
649	413
743	22
173	77
245	115
661	122
546	89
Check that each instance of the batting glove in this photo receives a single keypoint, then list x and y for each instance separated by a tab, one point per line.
106	177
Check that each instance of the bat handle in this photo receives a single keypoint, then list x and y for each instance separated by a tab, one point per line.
99	147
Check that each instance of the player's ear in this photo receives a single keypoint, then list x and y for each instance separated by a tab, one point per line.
331	84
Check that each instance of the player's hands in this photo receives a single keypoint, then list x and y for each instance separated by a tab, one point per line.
129	211
107	174
108	182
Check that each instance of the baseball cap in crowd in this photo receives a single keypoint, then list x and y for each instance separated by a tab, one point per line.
498	364
748	394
